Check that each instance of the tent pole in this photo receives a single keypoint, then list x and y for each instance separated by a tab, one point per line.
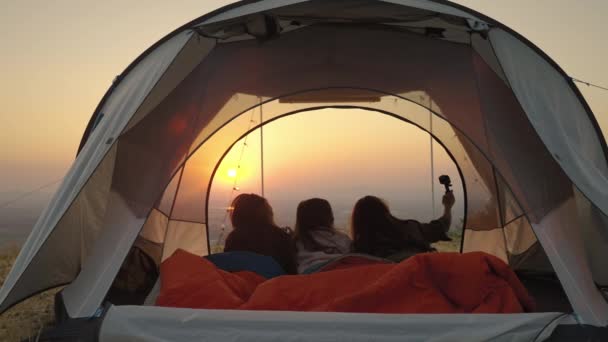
432	158
262	146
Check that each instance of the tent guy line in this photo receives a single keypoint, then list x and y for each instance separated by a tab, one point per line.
29	193
588	84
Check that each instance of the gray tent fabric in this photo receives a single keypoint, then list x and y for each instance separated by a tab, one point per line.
526	147
128	323
118	109
551	109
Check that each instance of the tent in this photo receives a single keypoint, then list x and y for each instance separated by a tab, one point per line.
531	156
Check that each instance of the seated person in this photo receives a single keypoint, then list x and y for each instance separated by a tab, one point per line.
317	240
377	232
255	231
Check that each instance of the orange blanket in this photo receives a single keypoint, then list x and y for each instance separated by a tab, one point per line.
426	283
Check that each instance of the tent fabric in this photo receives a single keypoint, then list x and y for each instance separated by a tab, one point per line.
485	50
100	268
482	211
261	6
154	230
190	55
488	241
118	109
565	249
570	137
182	50
592	221
524	150
278	60
87	209
190	236
128	323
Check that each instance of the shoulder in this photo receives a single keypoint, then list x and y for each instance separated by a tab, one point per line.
236	234
231	236
329	234
336	238
233	240
344	241
323	233
342	236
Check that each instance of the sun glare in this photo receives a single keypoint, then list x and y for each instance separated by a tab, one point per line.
232	173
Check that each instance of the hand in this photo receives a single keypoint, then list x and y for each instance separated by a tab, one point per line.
448	200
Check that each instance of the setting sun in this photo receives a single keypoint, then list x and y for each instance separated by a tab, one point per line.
232	173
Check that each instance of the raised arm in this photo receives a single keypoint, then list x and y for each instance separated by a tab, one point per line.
436	230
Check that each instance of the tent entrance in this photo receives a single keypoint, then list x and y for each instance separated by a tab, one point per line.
340	154
495	221
184	216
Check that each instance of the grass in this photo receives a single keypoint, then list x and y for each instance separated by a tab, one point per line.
26	319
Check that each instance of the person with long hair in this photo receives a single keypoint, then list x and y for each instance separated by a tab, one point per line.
254	230
317	240
377	232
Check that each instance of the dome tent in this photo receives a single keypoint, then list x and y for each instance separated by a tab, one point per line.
510	117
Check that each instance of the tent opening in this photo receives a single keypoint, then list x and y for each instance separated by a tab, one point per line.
340	155
347	157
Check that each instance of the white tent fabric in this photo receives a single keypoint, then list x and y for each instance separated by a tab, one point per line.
90	212
134	323
560	120
564	247
99	269
125	99
557	115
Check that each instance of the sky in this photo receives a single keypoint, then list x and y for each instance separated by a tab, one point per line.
58	59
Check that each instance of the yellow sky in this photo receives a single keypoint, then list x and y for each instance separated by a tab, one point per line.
58	58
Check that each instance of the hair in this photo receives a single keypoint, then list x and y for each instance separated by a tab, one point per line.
376	231
250	211
314	214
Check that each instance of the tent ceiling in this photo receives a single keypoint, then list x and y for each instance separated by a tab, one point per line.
287	18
